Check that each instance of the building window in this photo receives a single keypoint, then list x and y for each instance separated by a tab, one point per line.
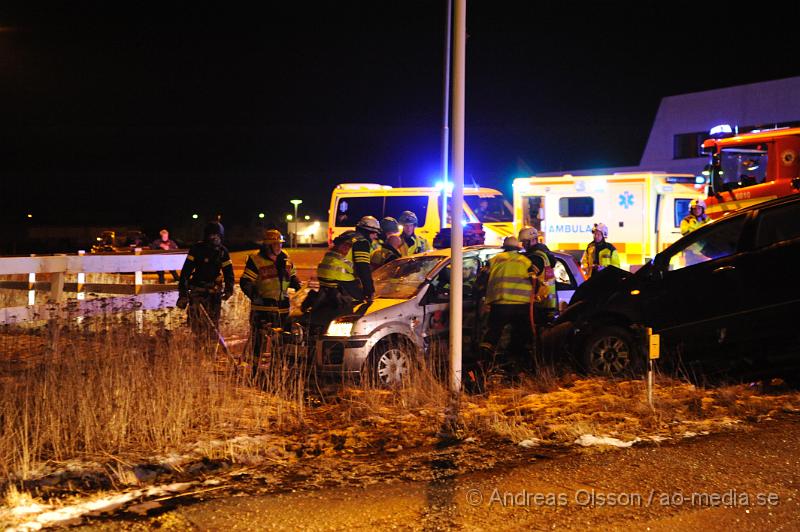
687	145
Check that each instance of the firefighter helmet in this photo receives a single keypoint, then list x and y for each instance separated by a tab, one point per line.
273	236
528	233
389	226
697	203
602	228
369	223
345	238
214	228
408	217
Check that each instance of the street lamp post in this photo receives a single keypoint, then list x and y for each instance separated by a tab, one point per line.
295	202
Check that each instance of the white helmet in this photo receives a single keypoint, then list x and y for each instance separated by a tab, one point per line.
528	233
603	228
369	223
511	242
697	203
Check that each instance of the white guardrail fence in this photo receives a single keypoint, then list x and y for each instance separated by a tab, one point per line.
139	296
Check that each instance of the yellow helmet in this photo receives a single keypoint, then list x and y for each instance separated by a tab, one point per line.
273	236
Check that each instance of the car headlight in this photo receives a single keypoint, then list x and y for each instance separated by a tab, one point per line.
340	328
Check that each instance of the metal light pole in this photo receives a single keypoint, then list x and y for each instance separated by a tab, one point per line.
457	231
295	202
446	114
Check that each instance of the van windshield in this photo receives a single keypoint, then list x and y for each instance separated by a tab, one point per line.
401	278
489	208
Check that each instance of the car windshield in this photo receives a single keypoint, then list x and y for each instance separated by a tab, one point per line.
401	278
489	208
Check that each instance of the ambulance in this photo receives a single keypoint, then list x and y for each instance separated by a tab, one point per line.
351	201
643	211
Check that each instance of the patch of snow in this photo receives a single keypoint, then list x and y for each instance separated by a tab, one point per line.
588	440
32	508
689	434
529	443
658	439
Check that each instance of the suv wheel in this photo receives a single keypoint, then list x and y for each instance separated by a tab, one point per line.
610	351
391	363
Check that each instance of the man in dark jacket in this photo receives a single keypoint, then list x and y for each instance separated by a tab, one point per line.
165	243
206	281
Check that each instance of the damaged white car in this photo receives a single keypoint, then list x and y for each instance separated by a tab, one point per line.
385	339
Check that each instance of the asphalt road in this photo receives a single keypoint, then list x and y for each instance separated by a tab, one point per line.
747	479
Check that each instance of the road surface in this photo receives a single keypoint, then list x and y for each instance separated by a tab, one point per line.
743	480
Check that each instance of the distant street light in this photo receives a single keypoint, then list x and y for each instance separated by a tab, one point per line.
30	215
261	215
295	202
307	217
195	217
289	218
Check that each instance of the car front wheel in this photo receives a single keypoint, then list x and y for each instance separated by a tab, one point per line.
391	363
611	351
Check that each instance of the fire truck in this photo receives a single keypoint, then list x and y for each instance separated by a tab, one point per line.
750	168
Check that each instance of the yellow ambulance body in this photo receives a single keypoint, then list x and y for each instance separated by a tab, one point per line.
643	211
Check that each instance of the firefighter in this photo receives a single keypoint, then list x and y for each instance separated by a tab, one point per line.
508	293
412	243
599	254
206	281
696	217
366	233
346	267
389	227
545	301
267	277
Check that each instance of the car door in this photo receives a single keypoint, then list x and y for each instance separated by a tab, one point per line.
772	301
694	298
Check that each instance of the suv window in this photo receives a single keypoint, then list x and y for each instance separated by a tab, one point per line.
778	224
720	240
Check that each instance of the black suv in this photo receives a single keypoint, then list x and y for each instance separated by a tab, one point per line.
724	299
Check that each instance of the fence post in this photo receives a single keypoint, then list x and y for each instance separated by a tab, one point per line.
57	285
31	287
81	278
137	276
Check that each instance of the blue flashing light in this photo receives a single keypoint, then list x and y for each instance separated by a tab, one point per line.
700	180
440	186
722	129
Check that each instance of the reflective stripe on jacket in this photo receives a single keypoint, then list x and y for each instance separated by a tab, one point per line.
335	268
509	279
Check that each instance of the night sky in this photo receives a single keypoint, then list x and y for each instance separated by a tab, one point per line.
128	112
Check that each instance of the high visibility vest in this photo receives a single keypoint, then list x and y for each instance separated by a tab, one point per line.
268	284
418	245
691	223
509	279
335	268
546	292
381	256
607	256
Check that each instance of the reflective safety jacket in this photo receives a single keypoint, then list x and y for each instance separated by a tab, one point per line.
692	222
412	244
335	268
206	267
509	282
598	256
266	282
545	297
360	255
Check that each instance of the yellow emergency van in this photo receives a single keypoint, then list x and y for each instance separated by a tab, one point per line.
351	201
643	211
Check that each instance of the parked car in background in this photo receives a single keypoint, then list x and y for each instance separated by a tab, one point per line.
725	300
410	313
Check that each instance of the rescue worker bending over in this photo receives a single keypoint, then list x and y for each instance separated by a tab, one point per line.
267	277
338	287
545	302
508	293
206	281
366	233
599	254
389	244
412	243
696	217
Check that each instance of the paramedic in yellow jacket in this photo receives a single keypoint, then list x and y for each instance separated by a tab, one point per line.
508	293
412	242
545	300
599	254
696	217
267	277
